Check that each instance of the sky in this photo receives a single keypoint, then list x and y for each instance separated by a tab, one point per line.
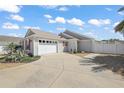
97	21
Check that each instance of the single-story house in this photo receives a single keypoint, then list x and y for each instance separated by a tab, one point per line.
5	40
40	42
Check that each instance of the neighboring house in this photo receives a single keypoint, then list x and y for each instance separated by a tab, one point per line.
40	42
5	40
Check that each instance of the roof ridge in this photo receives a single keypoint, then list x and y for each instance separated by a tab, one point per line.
34	30
77	34
68	36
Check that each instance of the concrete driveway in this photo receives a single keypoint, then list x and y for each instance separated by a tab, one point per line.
58	70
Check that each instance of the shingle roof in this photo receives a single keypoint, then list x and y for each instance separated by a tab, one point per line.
76	35
66	36
43	34
10	39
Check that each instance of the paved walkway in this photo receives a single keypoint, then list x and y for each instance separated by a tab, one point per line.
58	70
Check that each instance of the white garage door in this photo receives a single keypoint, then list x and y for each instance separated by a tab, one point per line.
46	49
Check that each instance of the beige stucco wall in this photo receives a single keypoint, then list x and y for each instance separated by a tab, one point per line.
35	47
72	45
62	48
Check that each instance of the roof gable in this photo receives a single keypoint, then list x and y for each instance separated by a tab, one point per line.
35	33
29	33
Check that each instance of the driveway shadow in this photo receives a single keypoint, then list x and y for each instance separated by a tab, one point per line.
115	63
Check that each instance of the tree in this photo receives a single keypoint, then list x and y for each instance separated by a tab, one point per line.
120	26
121	9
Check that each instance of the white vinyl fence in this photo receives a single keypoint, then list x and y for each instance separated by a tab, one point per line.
108	47
85	45
103	47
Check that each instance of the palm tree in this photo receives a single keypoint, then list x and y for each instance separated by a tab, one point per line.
121	9
120	26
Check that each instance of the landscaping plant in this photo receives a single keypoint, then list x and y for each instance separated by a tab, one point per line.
14	52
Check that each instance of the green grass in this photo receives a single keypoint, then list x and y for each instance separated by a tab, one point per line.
28	59
2	59
25	59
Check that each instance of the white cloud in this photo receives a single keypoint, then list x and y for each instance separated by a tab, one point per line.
17	17
99	22
9	25
51	31
80	28
10	8
121	36
31	27
48	16
121	13
60	20
16	35
51	21
90	34
116	23
61	28
112	31
94	22
75	21
63	9
56	7
57	20
49	6
105	21
108	9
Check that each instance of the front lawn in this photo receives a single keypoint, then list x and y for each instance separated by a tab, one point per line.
28	59
25	59
15	56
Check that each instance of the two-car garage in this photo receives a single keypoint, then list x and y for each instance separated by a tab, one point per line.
46	47
43	42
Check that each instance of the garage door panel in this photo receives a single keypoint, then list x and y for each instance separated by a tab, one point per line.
45	49
41	49
51	48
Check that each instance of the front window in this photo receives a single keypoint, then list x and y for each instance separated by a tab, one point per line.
65	43
43	41
40	41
